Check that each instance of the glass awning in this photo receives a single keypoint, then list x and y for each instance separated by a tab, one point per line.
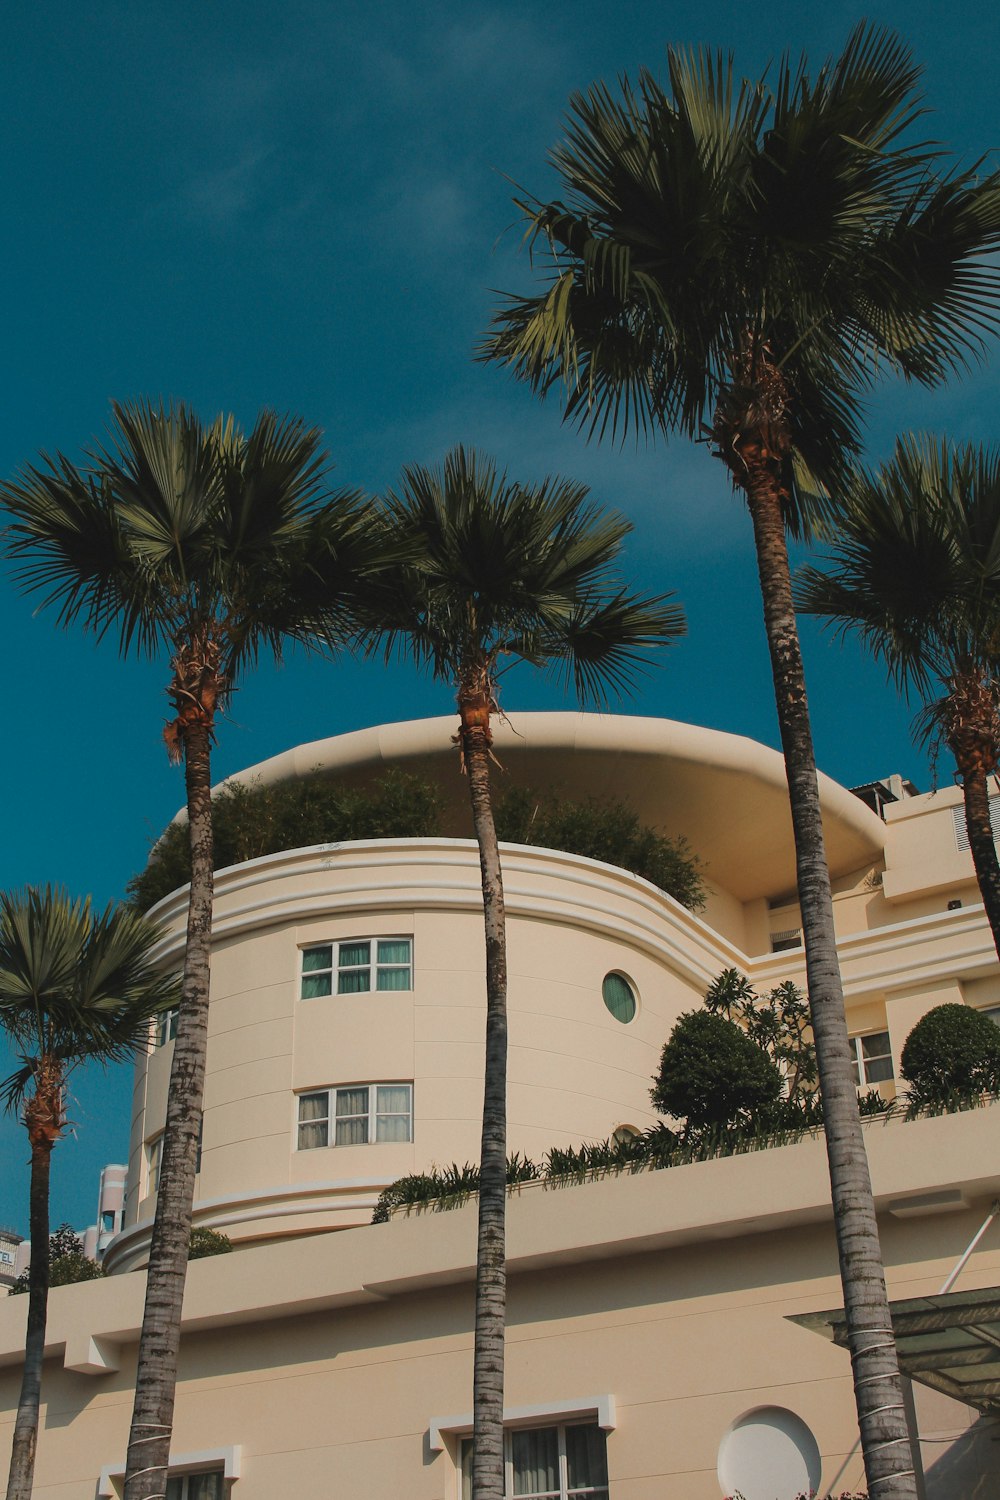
950	1342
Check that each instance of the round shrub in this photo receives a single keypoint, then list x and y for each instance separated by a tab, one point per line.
711	1073
951	1057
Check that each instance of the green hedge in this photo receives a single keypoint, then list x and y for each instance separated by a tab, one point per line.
257	820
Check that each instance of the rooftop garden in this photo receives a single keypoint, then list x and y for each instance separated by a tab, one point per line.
252	821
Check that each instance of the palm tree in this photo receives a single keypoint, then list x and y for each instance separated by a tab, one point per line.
915	570
739	263
506	573
75	986
217	545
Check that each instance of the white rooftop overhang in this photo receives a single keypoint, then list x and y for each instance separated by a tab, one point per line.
724	793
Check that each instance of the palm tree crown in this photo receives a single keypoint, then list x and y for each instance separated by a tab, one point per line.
735	259
914	570
75	985
215	543
505	572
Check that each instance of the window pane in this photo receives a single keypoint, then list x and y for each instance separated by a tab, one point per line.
878	1070
392	1127
393	1098
586	1459
353	981
314	1129
876	1045
394	979
394	950
618	997
352	1132
352	1102
316	984
535	1460
535	1456
317	958
352	1116
175	1488
352	954
313	1106
205	1486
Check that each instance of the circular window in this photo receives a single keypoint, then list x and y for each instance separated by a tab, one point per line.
769	1454
619	997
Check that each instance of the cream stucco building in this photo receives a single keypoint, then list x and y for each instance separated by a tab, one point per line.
651	1347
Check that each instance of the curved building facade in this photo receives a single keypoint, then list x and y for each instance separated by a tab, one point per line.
662	1332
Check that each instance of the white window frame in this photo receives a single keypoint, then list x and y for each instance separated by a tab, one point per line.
154	1164
563	1491
374	967
228	1460
164	1027
330	1119
449	1431
859	1060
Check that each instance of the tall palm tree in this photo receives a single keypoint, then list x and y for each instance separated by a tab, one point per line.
75	986
739	262
914	569
505	573
217	545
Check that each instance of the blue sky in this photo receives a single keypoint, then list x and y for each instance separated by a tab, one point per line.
306	207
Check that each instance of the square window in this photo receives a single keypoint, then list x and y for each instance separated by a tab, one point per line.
166	1027
354	968
317	971
872	1056
564	1462
353	963
314	1120
362	1114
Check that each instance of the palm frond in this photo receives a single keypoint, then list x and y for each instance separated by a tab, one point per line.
914	566
498	571
799	218
75	984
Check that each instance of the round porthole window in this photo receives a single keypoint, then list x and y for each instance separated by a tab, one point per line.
619	997
769	1454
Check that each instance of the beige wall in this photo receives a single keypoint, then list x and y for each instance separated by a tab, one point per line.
327	1360
576	1074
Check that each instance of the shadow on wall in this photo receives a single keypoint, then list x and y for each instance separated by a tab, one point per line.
969	1468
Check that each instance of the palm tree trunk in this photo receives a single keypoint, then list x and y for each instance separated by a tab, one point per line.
491	1262
975	791
972	730
159	1341
22	1454
878	1389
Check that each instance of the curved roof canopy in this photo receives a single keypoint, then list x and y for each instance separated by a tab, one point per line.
722	792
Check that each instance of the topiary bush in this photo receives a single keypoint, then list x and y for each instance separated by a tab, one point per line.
951	1059
711	1074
